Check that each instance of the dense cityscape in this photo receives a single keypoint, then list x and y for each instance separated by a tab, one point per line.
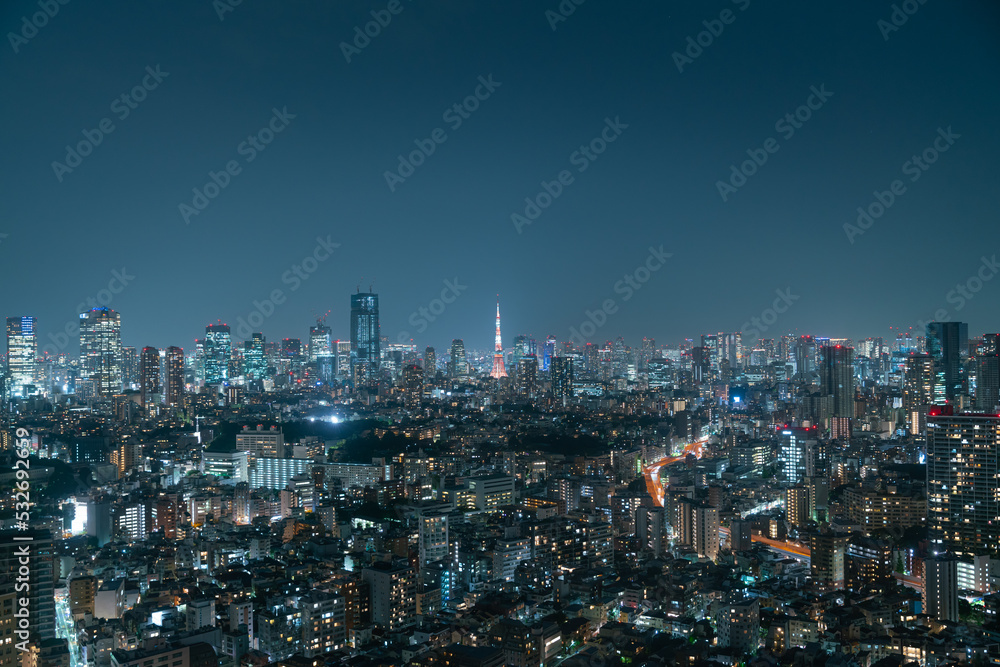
322	501
533	333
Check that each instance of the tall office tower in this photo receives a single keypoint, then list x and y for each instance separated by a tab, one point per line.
619	358
366	343
562	378
711	345
430	365
255	358
413	386
591	360
527	376
948	346
836	378
646	352
101	350
805	354
941	588
731	349
987	382
218	350
175	375
918	381
797	454
520	347
700	366
963	490
130	367
458	366
319	341
37	556
498	368
548	352
828	553
22	349
433	536
149	376
393	589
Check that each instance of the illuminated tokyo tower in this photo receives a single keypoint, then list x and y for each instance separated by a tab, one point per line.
498	369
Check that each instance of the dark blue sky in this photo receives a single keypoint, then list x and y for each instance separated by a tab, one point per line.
324	174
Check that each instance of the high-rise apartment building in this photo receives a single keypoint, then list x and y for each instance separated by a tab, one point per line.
101	350
562	378
393	590
987	382
963	482
836	378
940	593
175	375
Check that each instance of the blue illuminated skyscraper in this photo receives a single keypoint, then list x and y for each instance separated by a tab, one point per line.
365	344
218	351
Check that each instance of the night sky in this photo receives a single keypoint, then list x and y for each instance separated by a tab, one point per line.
608	67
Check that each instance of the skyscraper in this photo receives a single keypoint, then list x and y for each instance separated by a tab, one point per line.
101	350
562	378
319	341
413	386
130	367
458	367
430	365
836	378
254	357
948	346
940	597
22	349
218	351
548	352
175	375
963	491
366	351
498	367
149	376
987	382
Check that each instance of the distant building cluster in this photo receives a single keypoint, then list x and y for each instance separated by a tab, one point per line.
791	501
